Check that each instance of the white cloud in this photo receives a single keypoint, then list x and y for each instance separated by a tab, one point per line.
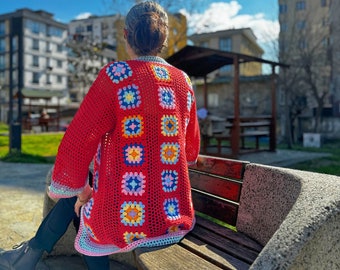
222	16
84	15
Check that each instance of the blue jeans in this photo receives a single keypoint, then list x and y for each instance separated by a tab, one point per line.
55	225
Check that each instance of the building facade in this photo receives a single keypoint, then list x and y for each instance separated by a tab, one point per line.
309	43
33	61
240	40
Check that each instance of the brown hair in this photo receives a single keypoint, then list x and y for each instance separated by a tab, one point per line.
146	28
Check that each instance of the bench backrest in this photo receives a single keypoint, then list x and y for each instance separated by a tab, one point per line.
216	187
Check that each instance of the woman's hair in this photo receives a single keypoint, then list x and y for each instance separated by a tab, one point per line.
146	28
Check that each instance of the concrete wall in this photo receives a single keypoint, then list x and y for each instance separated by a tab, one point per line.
294	214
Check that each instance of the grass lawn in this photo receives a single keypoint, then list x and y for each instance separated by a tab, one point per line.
35	148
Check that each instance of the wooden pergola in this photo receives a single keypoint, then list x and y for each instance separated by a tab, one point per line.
199	62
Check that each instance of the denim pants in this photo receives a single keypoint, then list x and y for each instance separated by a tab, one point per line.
55	225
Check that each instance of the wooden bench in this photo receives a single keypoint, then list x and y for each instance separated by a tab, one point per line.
285	219
216	188
256	134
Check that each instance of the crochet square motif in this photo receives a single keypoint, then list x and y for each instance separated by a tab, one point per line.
129	97
170	153
169	180
134	154
166	98
133	183
169	125
132	126
130	237
161	73
118	71
132	213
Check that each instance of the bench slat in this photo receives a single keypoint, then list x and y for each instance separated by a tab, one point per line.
227	233
217	186
222	167
234	249
212	254
170	257
217	208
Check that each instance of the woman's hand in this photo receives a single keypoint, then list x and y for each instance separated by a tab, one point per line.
82	199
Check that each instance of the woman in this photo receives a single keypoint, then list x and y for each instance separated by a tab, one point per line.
139	122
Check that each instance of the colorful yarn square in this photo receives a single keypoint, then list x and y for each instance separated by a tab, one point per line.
132	213
169	180
161	73
133	183
166	98
171	208
118	71
169	125
170	153
129	97
134	154
132	126
131	237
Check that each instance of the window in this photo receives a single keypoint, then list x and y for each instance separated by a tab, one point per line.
300	5
15	43
59	48
35	28
323	3
59	63
300	25
2	28
284	27
48	47
283	9
2	77
35	61
48	63
2	61
36	77
79	29
59	79
89	28
2	45
48	79
225	44
14	60
35	45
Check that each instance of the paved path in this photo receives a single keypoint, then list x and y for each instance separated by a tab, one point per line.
22	188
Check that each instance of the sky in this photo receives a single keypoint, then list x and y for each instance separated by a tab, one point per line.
214	15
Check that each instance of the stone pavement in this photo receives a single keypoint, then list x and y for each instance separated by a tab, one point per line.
22	188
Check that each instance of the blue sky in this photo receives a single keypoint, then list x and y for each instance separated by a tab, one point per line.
260	15
66	10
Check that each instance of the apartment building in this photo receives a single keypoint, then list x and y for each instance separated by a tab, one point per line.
33	61
92	43
309	42
240	40
255	87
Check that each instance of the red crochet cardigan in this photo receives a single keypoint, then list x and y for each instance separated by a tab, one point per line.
138	123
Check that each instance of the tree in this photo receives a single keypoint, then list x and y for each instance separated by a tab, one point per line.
304	45
86	58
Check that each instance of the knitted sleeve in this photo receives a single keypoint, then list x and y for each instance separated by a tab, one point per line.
93	119
193	132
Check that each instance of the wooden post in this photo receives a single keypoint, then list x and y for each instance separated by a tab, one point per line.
235	133
205	92
272	137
